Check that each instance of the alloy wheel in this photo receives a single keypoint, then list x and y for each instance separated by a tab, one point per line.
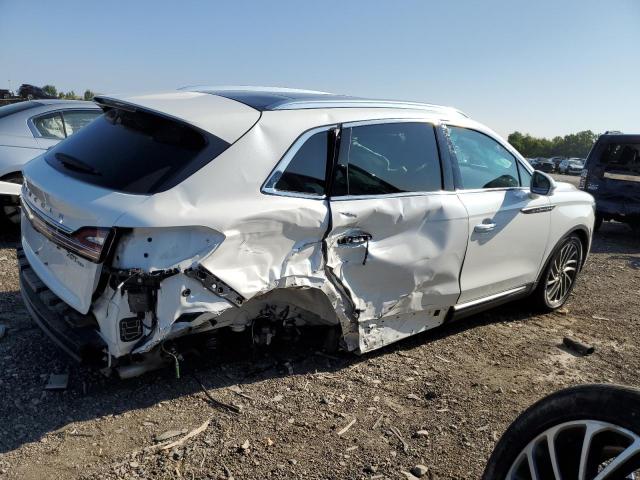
562	274
582	450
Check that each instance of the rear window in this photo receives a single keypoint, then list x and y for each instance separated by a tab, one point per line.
135	152
17	107
621	159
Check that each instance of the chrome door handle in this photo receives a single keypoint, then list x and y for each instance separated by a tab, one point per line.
484	227
352	241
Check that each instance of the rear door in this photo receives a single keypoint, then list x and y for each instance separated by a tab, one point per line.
397	238
508	226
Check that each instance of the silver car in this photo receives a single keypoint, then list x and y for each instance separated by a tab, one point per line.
26	130
267	210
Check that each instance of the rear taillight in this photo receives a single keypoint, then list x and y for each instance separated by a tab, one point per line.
92	242
583	179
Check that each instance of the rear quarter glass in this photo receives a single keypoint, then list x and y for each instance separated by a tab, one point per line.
135	152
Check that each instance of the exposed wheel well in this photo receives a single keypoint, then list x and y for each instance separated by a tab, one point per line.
11	175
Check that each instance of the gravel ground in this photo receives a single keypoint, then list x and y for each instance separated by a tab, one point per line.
440	399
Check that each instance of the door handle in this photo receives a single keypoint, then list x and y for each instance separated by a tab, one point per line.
352	241
484	227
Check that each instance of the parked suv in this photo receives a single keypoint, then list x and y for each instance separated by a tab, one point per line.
263	210
612	175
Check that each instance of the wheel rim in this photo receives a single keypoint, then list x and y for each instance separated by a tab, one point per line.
562	274
583	450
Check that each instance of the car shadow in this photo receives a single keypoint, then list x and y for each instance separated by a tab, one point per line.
28	357
615	237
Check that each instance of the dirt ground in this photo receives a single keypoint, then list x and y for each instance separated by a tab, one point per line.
308	415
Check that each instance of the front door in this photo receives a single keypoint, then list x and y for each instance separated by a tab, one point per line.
508	226
397	239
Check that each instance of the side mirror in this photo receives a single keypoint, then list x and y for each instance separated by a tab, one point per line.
541	183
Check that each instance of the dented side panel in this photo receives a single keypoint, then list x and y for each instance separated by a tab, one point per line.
407	272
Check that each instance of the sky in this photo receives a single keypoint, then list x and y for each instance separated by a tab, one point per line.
544	67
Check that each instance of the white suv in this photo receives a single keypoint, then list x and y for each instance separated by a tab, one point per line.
186	212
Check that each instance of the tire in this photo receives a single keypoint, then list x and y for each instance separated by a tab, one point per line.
10	214
611	413
561	273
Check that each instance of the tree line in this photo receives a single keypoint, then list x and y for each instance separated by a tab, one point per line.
572	145
70	95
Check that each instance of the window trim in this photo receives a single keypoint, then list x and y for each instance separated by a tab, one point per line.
36	133
286	159
457	181
434	123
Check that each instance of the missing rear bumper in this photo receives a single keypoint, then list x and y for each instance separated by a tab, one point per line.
75	334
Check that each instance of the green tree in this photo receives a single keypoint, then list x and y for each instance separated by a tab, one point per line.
70	95
88	95
572	145
50	90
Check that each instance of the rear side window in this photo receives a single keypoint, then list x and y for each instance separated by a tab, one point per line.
622	161
306	171
388	158
482	162
50	126
135	152
74	120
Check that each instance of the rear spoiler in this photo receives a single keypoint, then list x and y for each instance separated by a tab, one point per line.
7	188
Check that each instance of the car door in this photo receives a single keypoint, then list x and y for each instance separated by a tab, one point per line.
397	237
508	226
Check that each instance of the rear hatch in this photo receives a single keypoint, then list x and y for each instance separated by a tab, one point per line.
612	175
75	192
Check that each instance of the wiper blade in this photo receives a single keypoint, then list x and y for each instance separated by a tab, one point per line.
72	163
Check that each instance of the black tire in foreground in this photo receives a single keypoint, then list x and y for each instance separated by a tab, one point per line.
560	275
584	432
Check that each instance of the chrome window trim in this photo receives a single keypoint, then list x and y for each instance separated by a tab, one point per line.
36	133
342	198
284	162
317	104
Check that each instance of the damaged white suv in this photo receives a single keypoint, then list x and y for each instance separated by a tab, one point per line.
182	213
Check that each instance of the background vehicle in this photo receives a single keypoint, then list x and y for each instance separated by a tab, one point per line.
556	162
586	432
31	92
26	130
571	166
327	220
612	175
545	165
5	93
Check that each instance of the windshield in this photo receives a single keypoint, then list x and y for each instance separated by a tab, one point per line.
135	152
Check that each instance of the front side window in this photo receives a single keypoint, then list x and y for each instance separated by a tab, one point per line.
388	158
74	120
50	126
525	176
482	162
306	171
